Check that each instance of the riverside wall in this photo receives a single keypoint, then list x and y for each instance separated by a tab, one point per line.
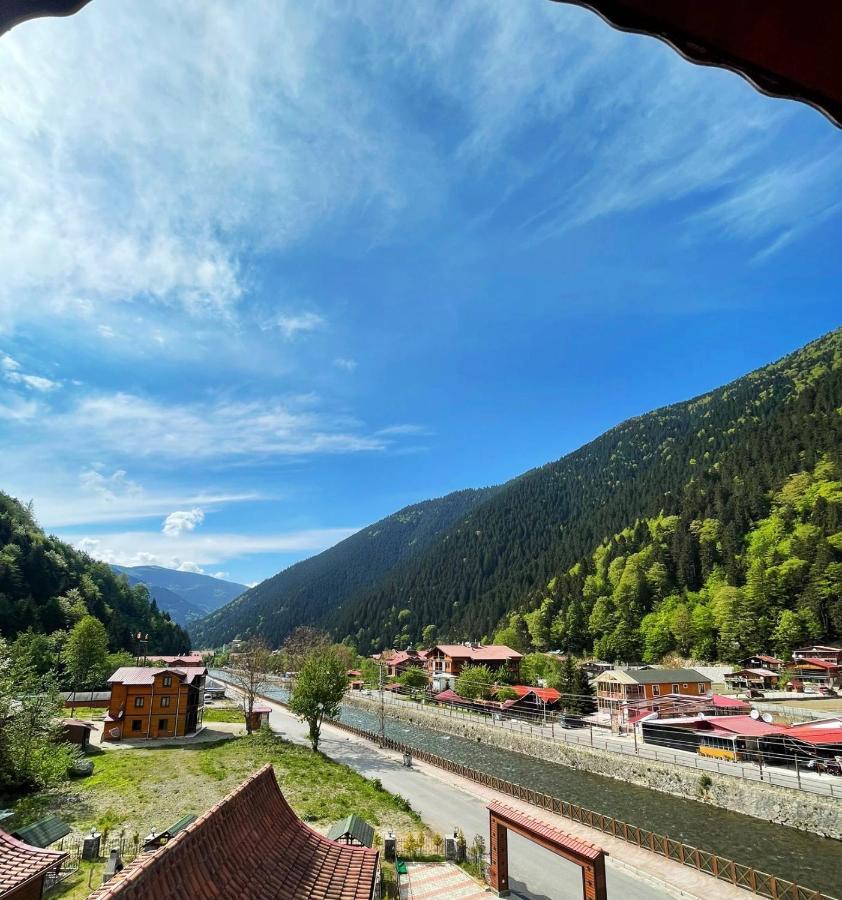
783	806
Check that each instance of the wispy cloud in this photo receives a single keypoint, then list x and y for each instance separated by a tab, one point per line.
301	323
133	548
345	363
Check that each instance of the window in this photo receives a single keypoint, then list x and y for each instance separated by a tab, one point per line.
701	687
167	680
163	724
136	724
684	685
138	702
165	701
656	690
675	688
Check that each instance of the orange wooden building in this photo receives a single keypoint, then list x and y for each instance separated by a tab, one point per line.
151	702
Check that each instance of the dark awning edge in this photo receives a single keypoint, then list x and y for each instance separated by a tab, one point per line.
697	48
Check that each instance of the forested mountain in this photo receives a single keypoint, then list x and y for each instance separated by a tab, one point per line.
708	527
184	595
47	586
317	588
715	462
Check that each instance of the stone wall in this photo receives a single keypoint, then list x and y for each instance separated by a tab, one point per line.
784	806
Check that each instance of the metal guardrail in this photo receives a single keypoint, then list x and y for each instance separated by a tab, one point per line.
705	861
551	732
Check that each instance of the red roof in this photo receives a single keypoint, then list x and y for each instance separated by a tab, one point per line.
192	659
146	674
721	702
20	863
251	846
548	695
449	696
402	656
821	663
821	736
743	725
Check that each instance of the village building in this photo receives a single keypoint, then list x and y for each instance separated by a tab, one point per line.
192	660
260	713
818	651
818	741
352	830
251	846
617	689
671	706
26	871
401	660
721	737
813	672
445	661
147	702
758	679
762	661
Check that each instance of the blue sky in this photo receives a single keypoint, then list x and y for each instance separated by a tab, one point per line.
272	271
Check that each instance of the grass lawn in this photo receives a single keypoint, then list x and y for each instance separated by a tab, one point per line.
224	714
83	712
149	789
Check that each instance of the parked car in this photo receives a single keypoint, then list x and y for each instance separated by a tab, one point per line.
570	722
828	691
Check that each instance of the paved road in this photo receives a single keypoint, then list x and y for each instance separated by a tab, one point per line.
533	873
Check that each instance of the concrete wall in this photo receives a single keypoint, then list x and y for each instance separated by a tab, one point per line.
807	812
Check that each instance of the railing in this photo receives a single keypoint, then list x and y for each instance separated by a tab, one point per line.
585	737
760	883
72	844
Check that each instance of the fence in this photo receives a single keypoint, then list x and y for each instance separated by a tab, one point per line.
799	781
72	844
760	883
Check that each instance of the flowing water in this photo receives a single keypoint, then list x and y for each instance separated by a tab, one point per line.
795	855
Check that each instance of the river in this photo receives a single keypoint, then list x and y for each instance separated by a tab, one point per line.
798	856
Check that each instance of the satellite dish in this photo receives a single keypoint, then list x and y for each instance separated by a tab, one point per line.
754	714
767	717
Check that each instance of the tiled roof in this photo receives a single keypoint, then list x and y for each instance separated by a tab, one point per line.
542	830
146	674
20	863
449	696
819	663
250	846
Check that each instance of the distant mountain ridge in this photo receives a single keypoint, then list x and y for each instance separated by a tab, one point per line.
186	596
712	465
314	588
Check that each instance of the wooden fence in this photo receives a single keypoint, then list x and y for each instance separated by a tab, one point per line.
720	867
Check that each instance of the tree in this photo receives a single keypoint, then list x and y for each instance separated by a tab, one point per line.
248	673
318	691
85	655
301	643
505	693
475	683
414	678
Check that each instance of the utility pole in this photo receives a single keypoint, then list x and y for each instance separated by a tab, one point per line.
382	709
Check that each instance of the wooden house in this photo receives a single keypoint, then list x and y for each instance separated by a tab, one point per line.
762	661
154	703
818	651
445	661
352	830
758	679
26	872
619	689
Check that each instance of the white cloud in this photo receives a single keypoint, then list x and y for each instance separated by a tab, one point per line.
133	548
12	373
109	487
106	331
344	362
221	575
190	567
300	323
405	429
178	522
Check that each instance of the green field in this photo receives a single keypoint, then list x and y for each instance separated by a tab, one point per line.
149	789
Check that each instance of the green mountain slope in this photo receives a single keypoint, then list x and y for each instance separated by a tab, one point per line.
314	589
46	585
721	455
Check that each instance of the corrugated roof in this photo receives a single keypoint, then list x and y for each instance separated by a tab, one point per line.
548	695
482	653
146	674
251	846
43	833
665	676
20	862
354	827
